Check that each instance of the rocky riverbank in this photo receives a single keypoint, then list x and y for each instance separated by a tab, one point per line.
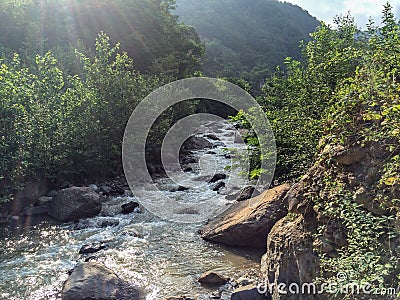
289	224
101	231
283	222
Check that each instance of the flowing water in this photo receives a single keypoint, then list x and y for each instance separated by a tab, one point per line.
163	257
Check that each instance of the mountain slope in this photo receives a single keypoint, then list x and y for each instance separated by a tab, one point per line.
247	36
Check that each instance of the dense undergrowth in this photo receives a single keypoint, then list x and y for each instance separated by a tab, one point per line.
344	100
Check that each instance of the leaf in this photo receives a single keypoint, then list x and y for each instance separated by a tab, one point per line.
391	181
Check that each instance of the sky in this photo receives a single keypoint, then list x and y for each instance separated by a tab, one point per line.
361	10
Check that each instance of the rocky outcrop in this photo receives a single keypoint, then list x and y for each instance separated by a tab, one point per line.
289	258
346	156
340	174
75	203
355	169
248	223
91	280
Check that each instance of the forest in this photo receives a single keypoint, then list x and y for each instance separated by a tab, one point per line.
72	72
246	40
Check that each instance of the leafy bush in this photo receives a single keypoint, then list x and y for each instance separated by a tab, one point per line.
55	125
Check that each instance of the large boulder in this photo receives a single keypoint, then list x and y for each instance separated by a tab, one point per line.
248	223
91	280
290	258
75	203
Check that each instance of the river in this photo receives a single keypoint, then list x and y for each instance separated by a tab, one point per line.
163	257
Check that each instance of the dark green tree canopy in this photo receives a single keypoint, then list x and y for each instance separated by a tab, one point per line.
146	30
247	39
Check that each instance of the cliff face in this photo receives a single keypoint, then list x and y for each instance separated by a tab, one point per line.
343	219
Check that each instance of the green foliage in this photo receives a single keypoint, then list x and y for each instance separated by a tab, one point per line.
345	92
146	30
65	100
297	99
367	110
370	256
361	108
55	125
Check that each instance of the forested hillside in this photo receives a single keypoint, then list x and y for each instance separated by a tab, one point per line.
247	39
146	30
71	74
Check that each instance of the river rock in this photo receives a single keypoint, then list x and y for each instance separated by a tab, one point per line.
92	248
246	193
248	292
238	138
227	156
51	193
217	177
248	223
108	222
91	280
188	160
212	137
197	143
180	298
35	211
133	232
93	187
98	222
178	188
128	208
219	185
212	278
44	200
75	203
218	144
106	190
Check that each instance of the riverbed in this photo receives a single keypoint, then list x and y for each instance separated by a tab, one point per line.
163	257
